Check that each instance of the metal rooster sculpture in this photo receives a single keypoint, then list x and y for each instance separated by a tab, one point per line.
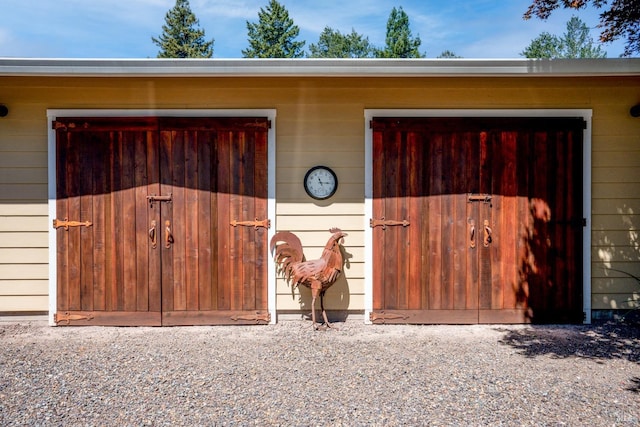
318	275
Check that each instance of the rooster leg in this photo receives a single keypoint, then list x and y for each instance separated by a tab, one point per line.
324	313
315	291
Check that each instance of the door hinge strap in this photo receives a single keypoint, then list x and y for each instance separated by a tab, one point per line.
381	316
68	317
266	223
257	317
66	223
484	198
382	222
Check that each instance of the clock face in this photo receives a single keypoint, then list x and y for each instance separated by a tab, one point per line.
320	182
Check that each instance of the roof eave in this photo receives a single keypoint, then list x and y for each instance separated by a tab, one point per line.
247	67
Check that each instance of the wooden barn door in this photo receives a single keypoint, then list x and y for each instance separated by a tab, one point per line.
144	221
477	220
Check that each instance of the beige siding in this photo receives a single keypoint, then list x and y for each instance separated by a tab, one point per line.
319	121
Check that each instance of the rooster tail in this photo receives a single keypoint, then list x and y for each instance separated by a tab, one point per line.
286	249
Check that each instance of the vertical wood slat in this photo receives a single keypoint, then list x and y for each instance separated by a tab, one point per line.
73	209
237	236
224	236
390	186
459	221
166	214
191	221
261	211
401	233
379	165
249	283
435	206
205	190
486	211
472	178
99	160
178	226
128	222
141	223
86	234
154	255
415	216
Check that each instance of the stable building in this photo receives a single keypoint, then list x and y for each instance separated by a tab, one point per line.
145	191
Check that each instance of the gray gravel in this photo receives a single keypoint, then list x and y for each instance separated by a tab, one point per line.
287	374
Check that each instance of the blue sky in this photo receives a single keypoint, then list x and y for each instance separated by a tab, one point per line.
123	28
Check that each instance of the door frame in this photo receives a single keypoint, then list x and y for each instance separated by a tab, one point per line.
585	114
53	114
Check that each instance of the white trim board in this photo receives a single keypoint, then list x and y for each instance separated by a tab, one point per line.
586	114
53	114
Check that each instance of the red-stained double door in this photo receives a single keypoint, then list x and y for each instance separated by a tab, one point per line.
477	220
151	205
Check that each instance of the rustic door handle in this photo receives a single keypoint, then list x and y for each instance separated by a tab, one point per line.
487	234
472	234
152	234
168	237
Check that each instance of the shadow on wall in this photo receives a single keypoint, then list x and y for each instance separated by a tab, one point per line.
617	280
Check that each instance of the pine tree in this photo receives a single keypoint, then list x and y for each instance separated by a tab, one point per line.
575	43
273	36
399	41
333	44
180	36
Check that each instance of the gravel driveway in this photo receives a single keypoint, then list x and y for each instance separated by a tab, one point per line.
288	374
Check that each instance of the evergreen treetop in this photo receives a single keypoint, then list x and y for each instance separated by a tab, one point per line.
180	36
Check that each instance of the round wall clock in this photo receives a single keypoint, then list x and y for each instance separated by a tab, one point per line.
320	182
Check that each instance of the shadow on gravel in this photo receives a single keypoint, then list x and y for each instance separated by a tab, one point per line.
635	385
597	342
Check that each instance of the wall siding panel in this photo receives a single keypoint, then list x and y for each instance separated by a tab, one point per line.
319	121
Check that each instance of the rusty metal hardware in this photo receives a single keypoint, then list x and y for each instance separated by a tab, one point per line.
66	223
152	234
487	234
154	198
382	222
168	237
68	317
472	234
484	198
257	317
266	223
382	317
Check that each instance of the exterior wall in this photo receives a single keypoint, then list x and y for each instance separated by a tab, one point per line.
319	121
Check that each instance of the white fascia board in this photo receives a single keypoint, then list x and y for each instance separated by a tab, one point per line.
370	67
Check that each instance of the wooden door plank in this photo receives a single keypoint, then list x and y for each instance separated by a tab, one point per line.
435	220
247	141
390	186
166	163
128	221
460	190
403	197
86	214
485	274
414	252
191	225
99	160
473	220
178	226
73	211
378	235
260	149
154	255
237	235
205	191
510	219
141	223
224	232
115	298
